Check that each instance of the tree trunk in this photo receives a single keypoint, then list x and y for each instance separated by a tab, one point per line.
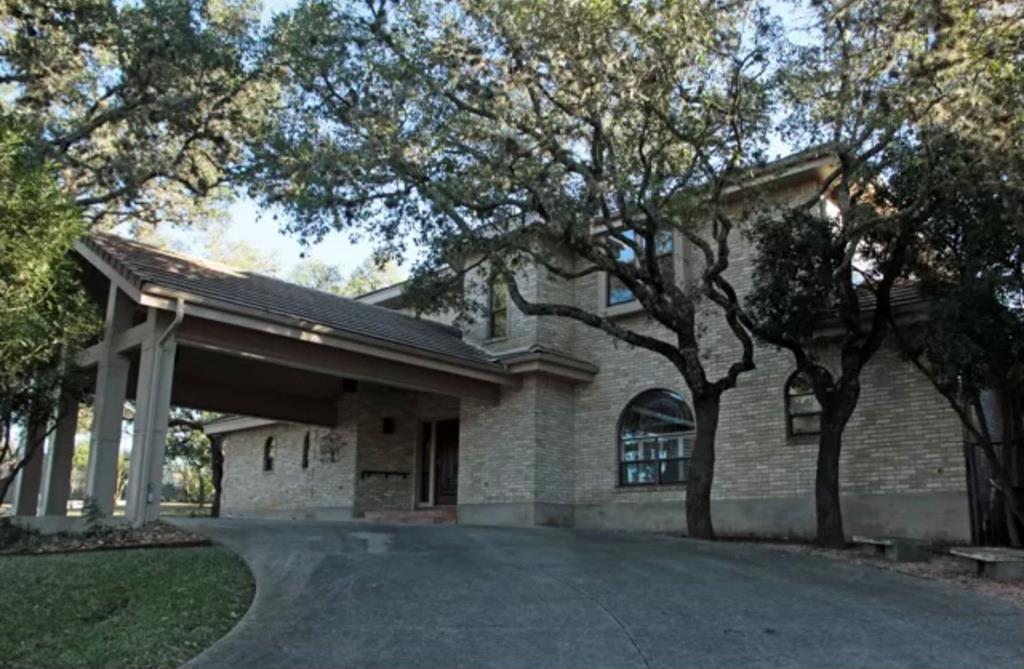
826	483
216	471
702	468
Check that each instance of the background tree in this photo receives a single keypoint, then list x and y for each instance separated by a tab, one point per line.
142	107
569	138
880	82
45	317
970	261
370	275
189	445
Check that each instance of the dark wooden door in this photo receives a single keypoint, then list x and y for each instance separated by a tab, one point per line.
446	474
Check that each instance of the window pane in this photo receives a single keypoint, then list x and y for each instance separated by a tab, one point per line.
674	471
804	404
499	324
667	266
617	292
638	473
671	448
805	424
631	451
799	385
663	242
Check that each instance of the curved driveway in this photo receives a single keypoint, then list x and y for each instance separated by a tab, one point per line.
364	595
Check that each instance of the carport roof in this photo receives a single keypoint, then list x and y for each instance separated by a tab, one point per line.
147	267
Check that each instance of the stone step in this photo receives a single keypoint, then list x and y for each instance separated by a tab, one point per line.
437	515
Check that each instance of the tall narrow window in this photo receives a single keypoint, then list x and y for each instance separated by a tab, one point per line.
268	455
497	309
656	432
617	292
305	452
803	412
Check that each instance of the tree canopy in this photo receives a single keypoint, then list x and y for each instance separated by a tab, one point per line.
45	316
142	108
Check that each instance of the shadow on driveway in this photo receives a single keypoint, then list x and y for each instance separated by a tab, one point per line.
364	595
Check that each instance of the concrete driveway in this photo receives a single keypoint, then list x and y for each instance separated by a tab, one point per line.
362	595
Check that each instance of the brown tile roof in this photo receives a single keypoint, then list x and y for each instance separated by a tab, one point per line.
142	264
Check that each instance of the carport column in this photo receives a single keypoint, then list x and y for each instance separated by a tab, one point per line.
108	405
57	467
152	407
26	489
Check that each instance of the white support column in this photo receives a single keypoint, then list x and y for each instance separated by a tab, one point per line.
108	406
57	467
152	406
26	487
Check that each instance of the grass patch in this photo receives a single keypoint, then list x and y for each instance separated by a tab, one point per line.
130	608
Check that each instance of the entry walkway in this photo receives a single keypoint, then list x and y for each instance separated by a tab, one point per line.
364	595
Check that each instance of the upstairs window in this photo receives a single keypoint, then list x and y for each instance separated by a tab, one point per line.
268	455
656	432
305	452
803	412
617	293
497	309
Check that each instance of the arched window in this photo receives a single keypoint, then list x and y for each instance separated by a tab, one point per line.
656	433
268	455
803	413
305	452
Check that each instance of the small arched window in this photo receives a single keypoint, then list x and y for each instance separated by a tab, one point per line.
803	412
305	451
268	455
656	432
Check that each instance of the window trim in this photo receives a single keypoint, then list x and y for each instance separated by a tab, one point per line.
633	306
790	414
493	285
657	460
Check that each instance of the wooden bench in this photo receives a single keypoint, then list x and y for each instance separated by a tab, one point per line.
896	549
1000	564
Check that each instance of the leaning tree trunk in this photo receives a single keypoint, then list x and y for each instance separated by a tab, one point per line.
702	468
216	471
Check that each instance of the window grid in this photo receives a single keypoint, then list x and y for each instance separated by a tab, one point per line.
616	292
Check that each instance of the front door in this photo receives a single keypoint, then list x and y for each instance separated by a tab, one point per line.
446	463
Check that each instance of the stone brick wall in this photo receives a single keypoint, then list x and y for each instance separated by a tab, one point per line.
324	485
549	443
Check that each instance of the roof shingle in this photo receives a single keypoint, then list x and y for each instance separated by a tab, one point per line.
142	264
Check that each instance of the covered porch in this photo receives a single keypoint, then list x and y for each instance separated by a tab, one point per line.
180	332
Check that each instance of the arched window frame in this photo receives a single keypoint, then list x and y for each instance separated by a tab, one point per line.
305	451
803	412
268	454
661	458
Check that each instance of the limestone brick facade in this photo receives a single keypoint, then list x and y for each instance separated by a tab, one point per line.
547	451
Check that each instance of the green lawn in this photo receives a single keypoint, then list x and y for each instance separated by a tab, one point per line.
126	608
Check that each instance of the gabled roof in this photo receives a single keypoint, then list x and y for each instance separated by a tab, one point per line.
147	267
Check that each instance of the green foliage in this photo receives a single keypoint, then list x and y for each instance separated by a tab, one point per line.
127	608
45	315
367	277
143	106
970	259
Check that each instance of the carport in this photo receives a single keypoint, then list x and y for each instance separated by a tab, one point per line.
200	335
